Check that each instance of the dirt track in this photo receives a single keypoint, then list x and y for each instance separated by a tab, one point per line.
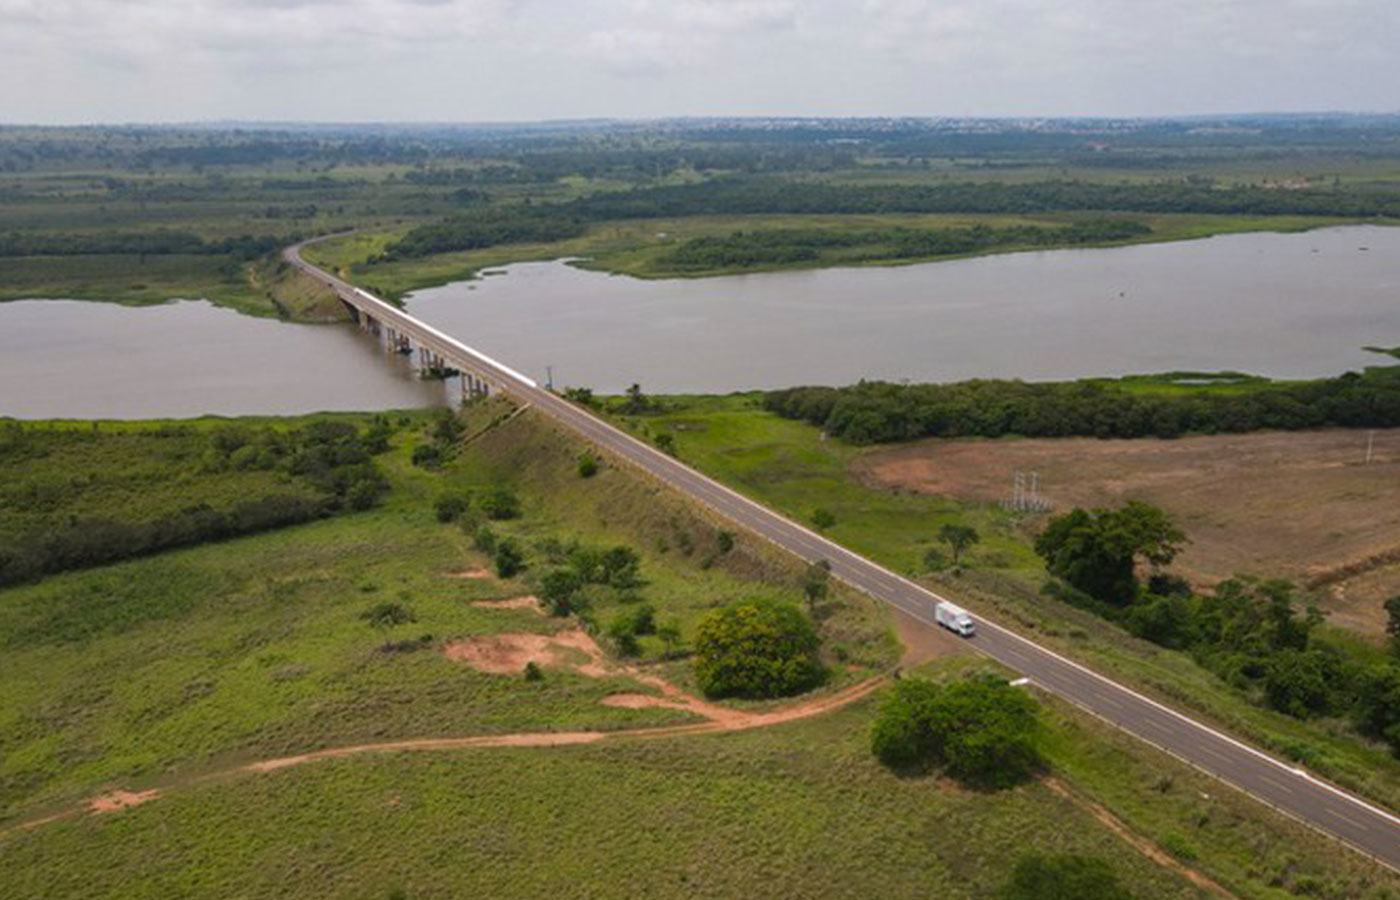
725	720
1288	504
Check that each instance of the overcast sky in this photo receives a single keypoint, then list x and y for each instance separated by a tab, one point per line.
494	60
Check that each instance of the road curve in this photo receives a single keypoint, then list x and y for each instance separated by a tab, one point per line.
1288	788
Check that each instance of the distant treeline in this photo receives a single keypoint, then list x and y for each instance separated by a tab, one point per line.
747	196
874	412
766	195
504	226
333	459
792	245
158	242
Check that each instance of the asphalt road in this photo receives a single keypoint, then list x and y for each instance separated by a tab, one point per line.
1287	788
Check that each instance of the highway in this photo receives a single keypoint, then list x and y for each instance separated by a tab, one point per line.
1287	788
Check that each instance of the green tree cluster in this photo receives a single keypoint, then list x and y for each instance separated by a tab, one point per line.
979	729
757	650
876	412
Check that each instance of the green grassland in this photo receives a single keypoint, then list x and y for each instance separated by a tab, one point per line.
255	647
168	671
791	467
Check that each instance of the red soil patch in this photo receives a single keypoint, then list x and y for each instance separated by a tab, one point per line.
529	602
120	800
508	654
468	573
637	701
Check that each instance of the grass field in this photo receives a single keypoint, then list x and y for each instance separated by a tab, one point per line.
175	672
791	467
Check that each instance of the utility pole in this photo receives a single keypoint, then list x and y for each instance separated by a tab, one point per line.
549	377
1370	445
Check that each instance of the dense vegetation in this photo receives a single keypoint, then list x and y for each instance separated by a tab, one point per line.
62	511
757	650
748	196
514	226
1247	631
979	729
156	242
1067	877
874	412
784	245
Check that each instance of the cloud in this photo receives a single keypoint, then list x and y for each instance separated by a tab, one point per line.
159	33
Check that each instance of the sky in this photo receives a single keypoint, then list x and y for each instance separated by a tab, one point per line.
79	61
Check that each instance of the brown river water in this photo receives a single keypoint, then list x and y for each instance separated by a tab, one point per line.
1285	305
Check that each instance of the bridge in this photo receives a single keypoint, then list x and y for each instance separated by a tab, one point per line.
1282	785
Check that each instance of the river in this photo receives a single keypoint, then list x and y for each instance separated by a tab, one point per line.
1285	305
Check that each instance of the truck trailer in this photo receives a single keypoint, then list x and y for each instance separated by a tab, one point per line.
954	618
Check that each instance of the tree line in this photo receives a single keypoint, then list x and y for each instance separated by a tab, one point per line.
791	245
875	412
748	196
333	459
156	242
513	225
1248	631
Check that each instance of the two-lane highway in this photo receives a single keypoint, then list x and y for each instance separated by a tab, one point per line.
1287	788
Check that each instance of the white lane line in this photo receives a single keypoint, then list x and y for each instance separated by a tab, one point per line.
1283	787
643	454
1344	818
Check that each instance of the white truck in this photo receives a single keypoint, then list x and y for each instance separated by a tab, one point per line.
954	618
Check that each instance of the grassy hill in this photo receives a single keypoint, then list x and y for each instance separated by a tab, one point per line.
183	670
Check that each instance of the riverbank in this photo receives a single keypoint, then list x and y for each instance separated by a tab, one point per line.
639	248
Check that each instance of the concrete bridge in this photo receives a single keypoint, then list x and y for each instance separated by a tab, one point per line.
436	352
1288	788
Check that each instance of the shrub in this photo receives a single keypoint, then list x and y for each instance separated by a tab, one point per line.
386	615
1063	877
756	650
823	518
501	503
533	672
427	456
587	465
724	540
485	539
508	558
449	506
623	633
980	728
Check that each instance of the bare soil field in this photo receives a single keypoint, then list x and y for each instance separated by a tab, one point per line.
1299	505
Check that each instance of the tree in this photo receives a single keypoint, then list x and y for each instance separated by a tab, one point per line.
756	649
634	402
1301	683
1063	877
980	729
1392	623
559	588
666	443
670	634
958	538
816	584
508	558
823	518
1097	551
